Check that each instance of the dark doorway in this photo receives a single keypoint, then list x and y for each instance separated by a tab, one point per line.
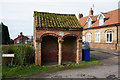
69	49
49	50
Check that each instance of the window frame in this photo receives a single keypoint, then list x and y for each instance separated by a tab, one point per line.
109	37
83	38
26	41
97	38
88	34
17	41
101	20
89	21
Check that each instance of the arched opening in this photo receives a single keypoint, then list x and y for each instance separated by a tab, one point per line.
69	48
49	50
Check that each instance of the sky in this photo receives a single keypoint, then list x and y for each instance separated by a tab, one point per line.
18	14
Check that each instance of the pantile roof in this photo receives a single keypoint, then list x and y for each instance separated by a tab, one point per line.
111	17
46	20
83	20
94	18
20	36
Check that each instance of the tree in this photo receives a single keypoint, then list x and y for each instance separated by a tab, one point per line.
11	41
5	34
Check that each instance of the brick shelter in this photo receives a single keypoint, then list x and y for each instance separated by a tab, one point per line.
102	30
57	38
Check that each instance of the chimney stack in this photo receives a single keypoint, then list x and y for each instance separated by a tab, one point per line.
91	12
80	16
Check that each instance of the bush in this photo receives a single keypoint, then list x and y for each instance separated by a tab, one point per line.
24	54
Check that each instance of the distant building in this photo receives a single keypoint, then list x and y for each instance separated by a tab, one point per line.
21	39
102	30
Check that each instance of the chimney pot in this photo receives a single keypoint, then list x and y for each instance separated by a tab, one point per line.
91	12
20	33
80	16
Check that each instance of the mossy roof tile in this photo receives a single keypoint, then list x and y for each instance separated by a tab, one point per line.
45	19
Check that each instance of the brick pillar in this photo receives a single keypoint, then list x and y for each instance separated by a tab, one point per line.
60	51
35	46
38	53
79	51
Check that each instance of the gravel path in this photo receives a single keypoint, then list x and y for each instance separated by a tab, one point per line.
109	69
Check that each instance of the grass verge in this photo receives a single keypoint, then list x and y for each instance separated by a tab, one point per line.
19	71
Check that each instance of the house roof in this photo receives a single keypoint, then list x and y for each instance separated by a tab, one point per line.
44	19
83	20
107	15
94	18
111	17
21	36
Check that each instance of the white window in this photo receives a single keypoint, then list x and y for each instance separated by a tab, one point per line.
17	41
83	38
88	39
89	22
109	36
97	36
26	41
101	20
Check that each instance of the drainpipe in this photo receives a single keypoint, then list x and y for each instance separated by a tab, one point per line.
117	37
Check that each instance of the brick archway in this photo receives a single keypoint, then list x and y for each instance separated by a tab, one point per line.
46	34
69	48
49	49
70	34
57	48
57	54
70	45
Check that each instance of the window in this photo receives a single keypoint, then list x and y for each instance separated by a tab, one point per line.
101	20
97	36
109	36
88	39
89	22
26	41
17	41
83	38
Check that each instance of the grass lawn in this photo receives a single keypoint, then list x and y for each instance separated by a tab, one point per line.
19	71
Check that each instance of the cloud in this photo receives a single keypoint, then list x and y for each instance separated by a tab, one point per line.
18	14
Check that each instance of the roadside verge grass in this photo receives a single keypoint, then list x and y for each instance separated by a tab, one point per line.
20	71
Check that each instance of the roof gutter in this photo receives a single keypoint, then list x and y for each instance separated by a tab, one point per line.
117	33
103	26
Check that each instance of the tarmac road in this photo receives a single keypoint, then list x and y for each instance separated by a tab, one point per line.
109	69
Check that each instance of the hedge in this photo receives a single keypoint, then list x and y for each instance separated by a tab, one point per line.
24	54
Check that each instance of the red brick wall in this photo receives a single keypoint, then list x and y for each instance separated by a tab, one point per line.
41	32
49	47
103	44
21	41
111	46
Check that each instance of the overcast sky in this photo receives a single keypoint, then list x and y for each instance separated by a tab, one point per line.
18	14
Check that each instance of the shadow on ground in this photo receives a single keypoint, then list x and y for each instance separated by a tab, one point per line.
100	55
